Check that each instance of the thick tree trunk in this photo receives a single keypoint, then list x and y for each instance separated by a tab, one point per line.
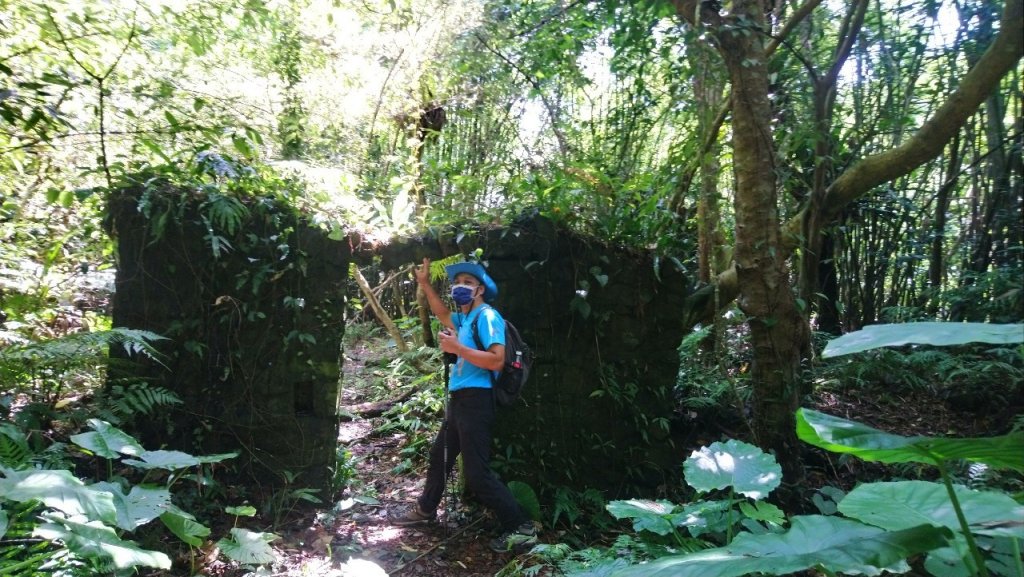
778	330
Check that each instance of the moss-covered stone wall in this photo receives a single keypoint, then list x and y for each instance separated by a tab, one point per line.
252	300
604	323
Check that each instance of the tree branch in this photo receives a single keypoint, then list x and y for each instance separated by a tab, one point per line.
929	140
563	146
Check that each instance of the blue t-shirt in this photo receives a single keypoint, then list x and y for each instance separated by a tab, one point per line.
491	329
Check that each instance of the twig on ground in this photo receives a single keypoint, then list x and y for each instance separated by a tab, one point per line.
402	567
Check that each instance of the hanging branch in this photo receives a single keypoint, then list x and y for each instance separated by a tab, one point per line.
379	310
99	79
563	146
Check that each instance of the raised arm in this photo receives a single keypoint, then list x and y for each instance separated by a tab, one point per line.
437	306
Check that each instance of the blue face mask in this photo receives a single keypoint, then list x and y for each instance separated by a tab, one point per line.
462	294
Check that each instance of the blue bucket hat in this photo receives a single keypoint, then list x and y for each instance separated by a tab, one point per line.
490	289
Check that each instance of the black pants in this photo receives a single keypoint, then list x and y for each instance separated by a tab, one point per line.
467	430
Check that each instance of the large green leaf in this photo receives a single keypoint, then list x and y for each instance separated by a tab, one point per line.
3	523
843	436
734	463
140	506
926	333
96	540
839	545
701	517
60	490
185	526
646	515
174	460
169	460
526	497
107	441
248	547
904	504
206	459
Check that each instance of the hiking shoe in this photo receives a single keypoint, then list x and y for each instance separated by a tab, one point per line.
413	516
519	541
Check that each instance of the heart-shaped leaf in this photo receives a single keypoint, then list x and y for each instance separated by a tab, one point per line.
734	463
526	497
185	526
241	511
107	441
60	490
248	547
169	460
140	506
701	517
646	515
839	545
94	539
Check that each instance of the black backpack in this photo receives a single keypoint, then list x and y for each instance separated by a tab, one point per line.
508	384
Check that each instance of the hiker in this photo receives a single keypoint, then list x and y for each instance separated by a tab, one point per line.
470	413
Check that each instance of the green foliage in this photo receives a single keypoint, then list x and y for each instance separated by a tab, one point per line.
995	295
713	380
828	543
526	497
416	418
84	526
122	403
570	508
343	473
885	522
734	464
248	547
844	436
285	499
38	375
962	531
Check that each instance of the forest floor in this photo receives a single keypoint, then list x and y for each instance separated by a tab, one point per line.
356	539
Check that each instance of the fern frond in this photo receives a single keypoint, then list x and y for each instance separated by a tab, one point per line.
140	398
55	456
76	346
14	450
225	212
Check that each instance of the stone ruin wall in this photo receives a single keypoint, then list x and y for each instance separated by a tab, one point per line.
596	410
255	333
598	405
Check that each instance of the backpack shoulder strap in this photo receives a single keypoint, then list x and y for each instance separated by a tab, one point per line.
479	342
476	329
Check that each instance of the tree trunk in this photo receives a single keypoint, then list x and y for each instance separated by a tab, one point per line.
778	331
937	258
815	250
708	88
